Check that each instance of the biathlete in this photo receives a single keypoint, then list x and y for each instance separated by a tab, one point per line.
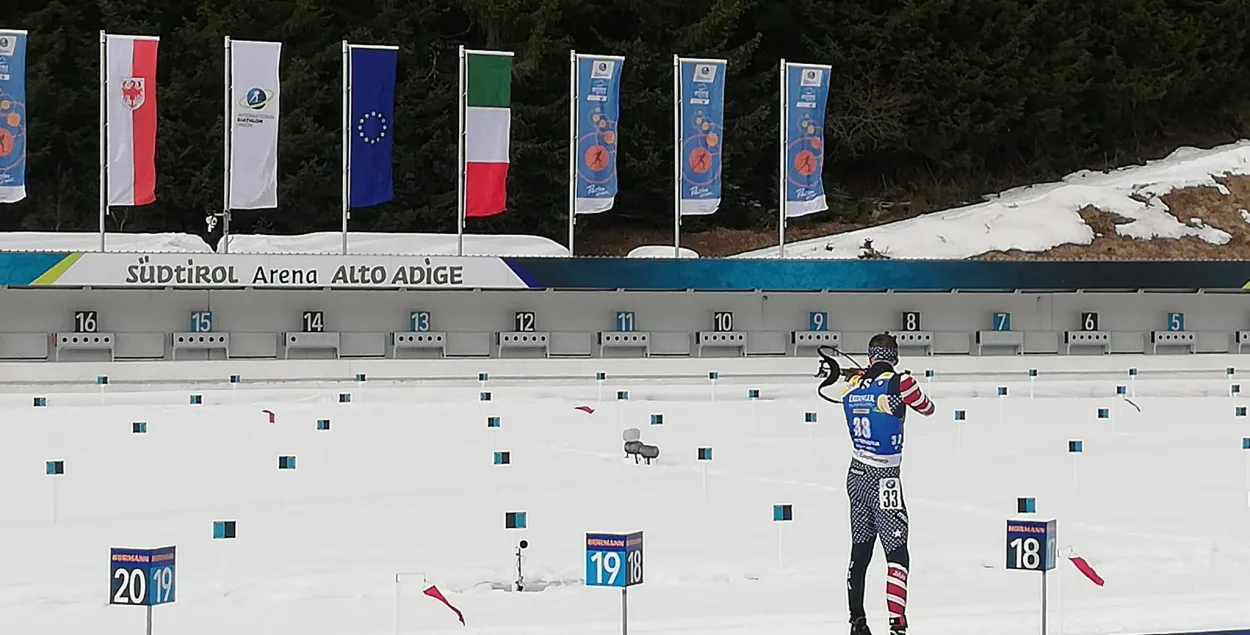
875	400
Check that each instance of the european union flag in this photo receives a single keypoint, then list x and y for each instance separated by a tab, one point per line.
372	131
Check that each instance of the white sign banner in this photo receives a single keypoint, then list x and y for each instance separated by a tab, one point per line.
254	104
280	271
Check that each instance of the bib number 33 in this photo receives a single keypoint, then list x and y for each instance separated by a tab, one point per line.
889	494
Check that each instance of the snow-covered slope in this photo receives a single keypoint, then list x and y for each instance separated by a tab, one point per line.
1039	217
90	241
660	251
402	244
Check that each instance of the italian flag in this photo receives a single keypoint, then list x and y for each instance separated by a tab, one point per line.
487	77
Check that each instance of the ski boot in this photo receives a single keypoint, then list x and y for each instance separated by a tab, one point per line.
859	626
898	626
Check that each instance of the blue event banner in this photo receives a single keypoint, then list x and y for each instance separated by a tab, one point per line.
701	111
598	96
12	116
806	96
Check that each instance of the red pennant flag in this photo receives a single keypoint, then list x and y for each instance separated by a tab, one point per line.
586	409
271	415
438	595
1084	567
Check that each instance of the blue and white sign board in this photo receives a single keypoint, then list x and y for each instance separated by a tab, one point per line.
141	577
614	560
1031	545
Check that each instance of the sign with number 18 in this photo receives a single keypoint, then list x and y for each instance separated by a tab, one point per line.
1031	545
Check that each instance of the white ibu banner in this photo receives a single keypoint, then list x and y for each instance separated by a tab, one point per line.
280	271
254	109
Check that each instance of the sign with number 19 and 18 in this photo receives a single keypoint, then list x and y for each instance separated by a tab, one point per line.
141	577
1031	545
614	560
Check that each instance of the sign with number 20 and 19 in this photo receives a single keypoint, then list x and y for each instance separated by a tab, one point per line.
141	577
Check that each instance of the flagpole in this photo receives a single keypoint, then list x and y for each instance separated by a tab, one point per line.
460	167
347	125
227	77
104	139
783	100
572	146
676	157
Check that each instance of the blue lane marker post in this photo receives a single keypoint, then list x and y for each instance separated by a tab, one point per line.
55	469
782	514
704	456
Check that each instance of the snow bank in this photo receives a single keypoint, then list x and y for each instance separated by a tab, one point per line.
660	251
1039	217
90	241
359	243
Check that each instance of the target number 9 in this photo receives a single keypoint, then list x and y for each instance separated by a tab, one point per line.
1027	553
607	563
130	586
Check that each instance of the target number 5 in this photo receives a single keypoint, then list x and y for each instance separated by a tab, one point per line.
1027	553
130	586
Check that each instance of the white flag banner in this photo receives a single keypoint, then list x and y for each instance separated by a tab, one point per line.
254	107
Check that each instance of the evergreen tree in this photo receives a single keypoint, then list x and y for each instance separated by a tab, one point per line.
937	101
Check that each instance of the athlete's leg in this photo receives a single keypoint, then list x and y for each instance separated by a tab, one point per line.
861	489
893	525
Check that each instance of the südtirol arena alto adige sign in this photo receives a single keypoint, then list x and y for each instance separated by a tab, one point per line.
280	270
343	275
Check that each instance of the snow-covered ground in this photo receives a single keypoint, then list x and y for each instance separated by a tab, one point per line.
404	483
1039	217
404	244
660	251
358	243
90	241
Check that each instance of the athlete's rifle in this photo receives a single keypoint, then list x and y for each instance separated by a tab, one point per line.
832	371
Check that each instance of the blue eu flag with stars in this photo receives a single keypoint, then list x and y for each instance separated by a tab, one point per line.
372	131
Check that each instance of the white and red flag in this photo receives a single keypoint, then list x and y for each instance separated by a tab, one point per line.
129	98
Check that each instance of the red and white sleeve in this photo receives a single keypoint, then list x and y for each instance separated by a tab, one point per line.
910	391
